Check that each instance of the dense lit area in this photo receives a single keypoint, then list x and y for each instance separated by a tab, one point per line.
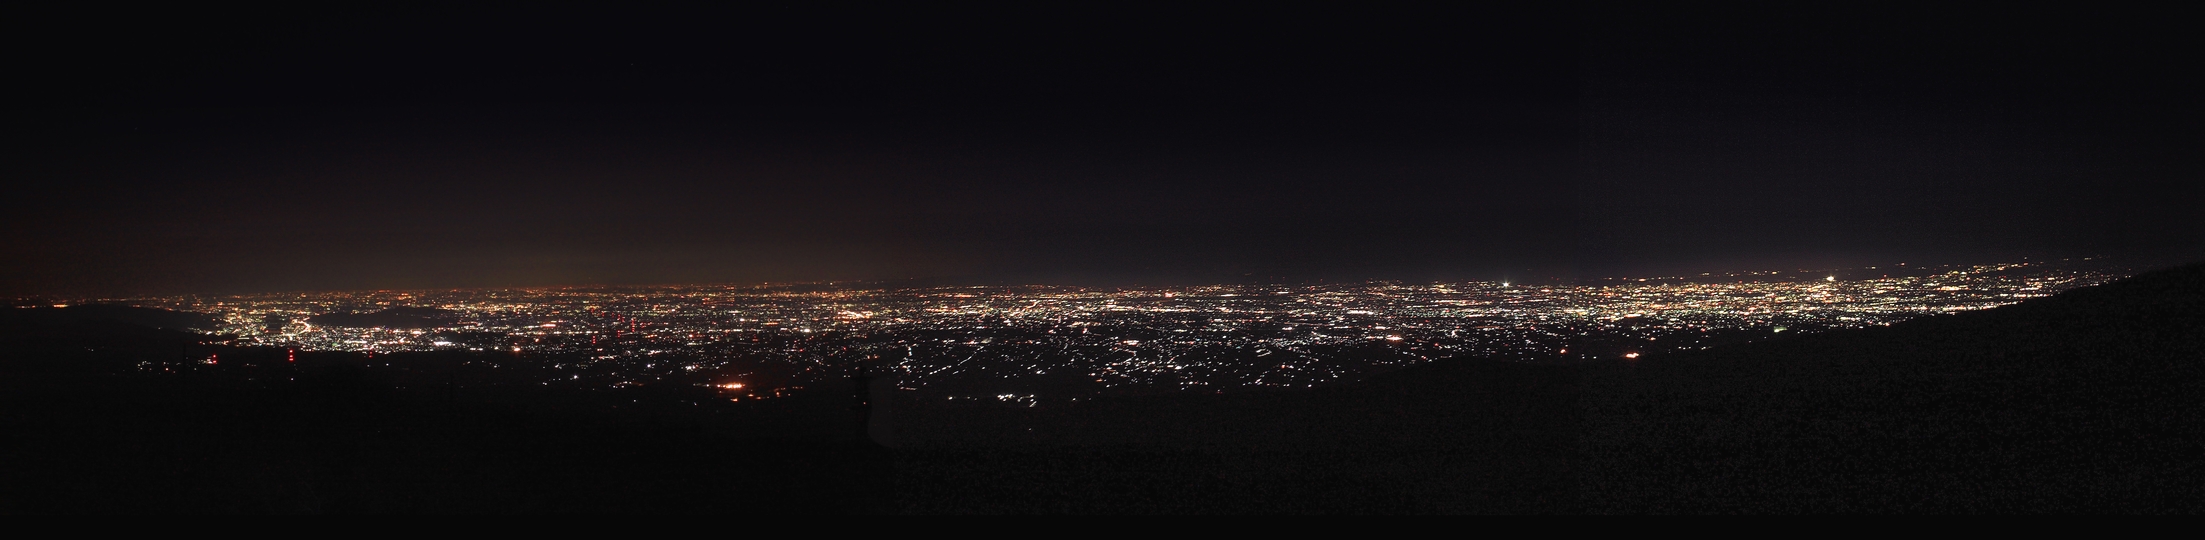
1038	343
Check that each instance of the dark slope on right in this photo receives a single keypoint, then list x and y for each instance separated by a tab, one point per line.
2086	401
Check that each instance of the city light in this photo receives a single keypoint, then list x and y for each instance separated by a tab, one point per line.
1198	337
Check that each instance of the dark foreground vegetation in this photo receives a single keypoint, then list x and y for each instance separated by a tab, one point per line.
2089	401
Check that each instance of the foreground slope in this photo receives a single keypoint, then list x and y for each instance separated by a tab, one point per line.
1455	436
2085	401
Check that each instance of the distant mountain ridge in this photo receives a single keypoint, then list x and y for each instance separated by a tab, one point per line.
131	315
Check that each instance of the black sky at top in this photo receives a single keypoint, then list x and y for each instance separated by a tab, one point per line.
1848	133
234	151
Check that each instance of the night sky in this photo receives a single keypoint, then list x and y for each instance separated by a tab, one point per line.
198	151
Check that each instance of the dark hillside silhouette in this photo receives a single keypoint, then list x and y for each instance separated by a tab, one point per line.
98	339
2088	401
132	315
102	416
1456	436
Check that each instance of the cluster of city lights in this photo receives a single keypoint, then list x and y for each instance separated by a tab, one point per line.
988	342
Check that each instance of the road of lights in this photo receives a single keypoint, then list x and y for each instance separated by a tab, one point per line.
1015	343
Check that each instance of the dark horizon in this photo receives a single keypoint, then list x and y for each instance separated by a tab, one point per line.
196	152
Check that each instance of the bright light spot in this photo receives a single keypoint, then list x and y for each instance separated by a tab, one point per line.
1630	355
732	386
1393	338
1831	278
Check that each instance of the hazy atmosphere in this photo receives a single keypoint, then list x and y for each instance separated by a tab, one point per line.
574	147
